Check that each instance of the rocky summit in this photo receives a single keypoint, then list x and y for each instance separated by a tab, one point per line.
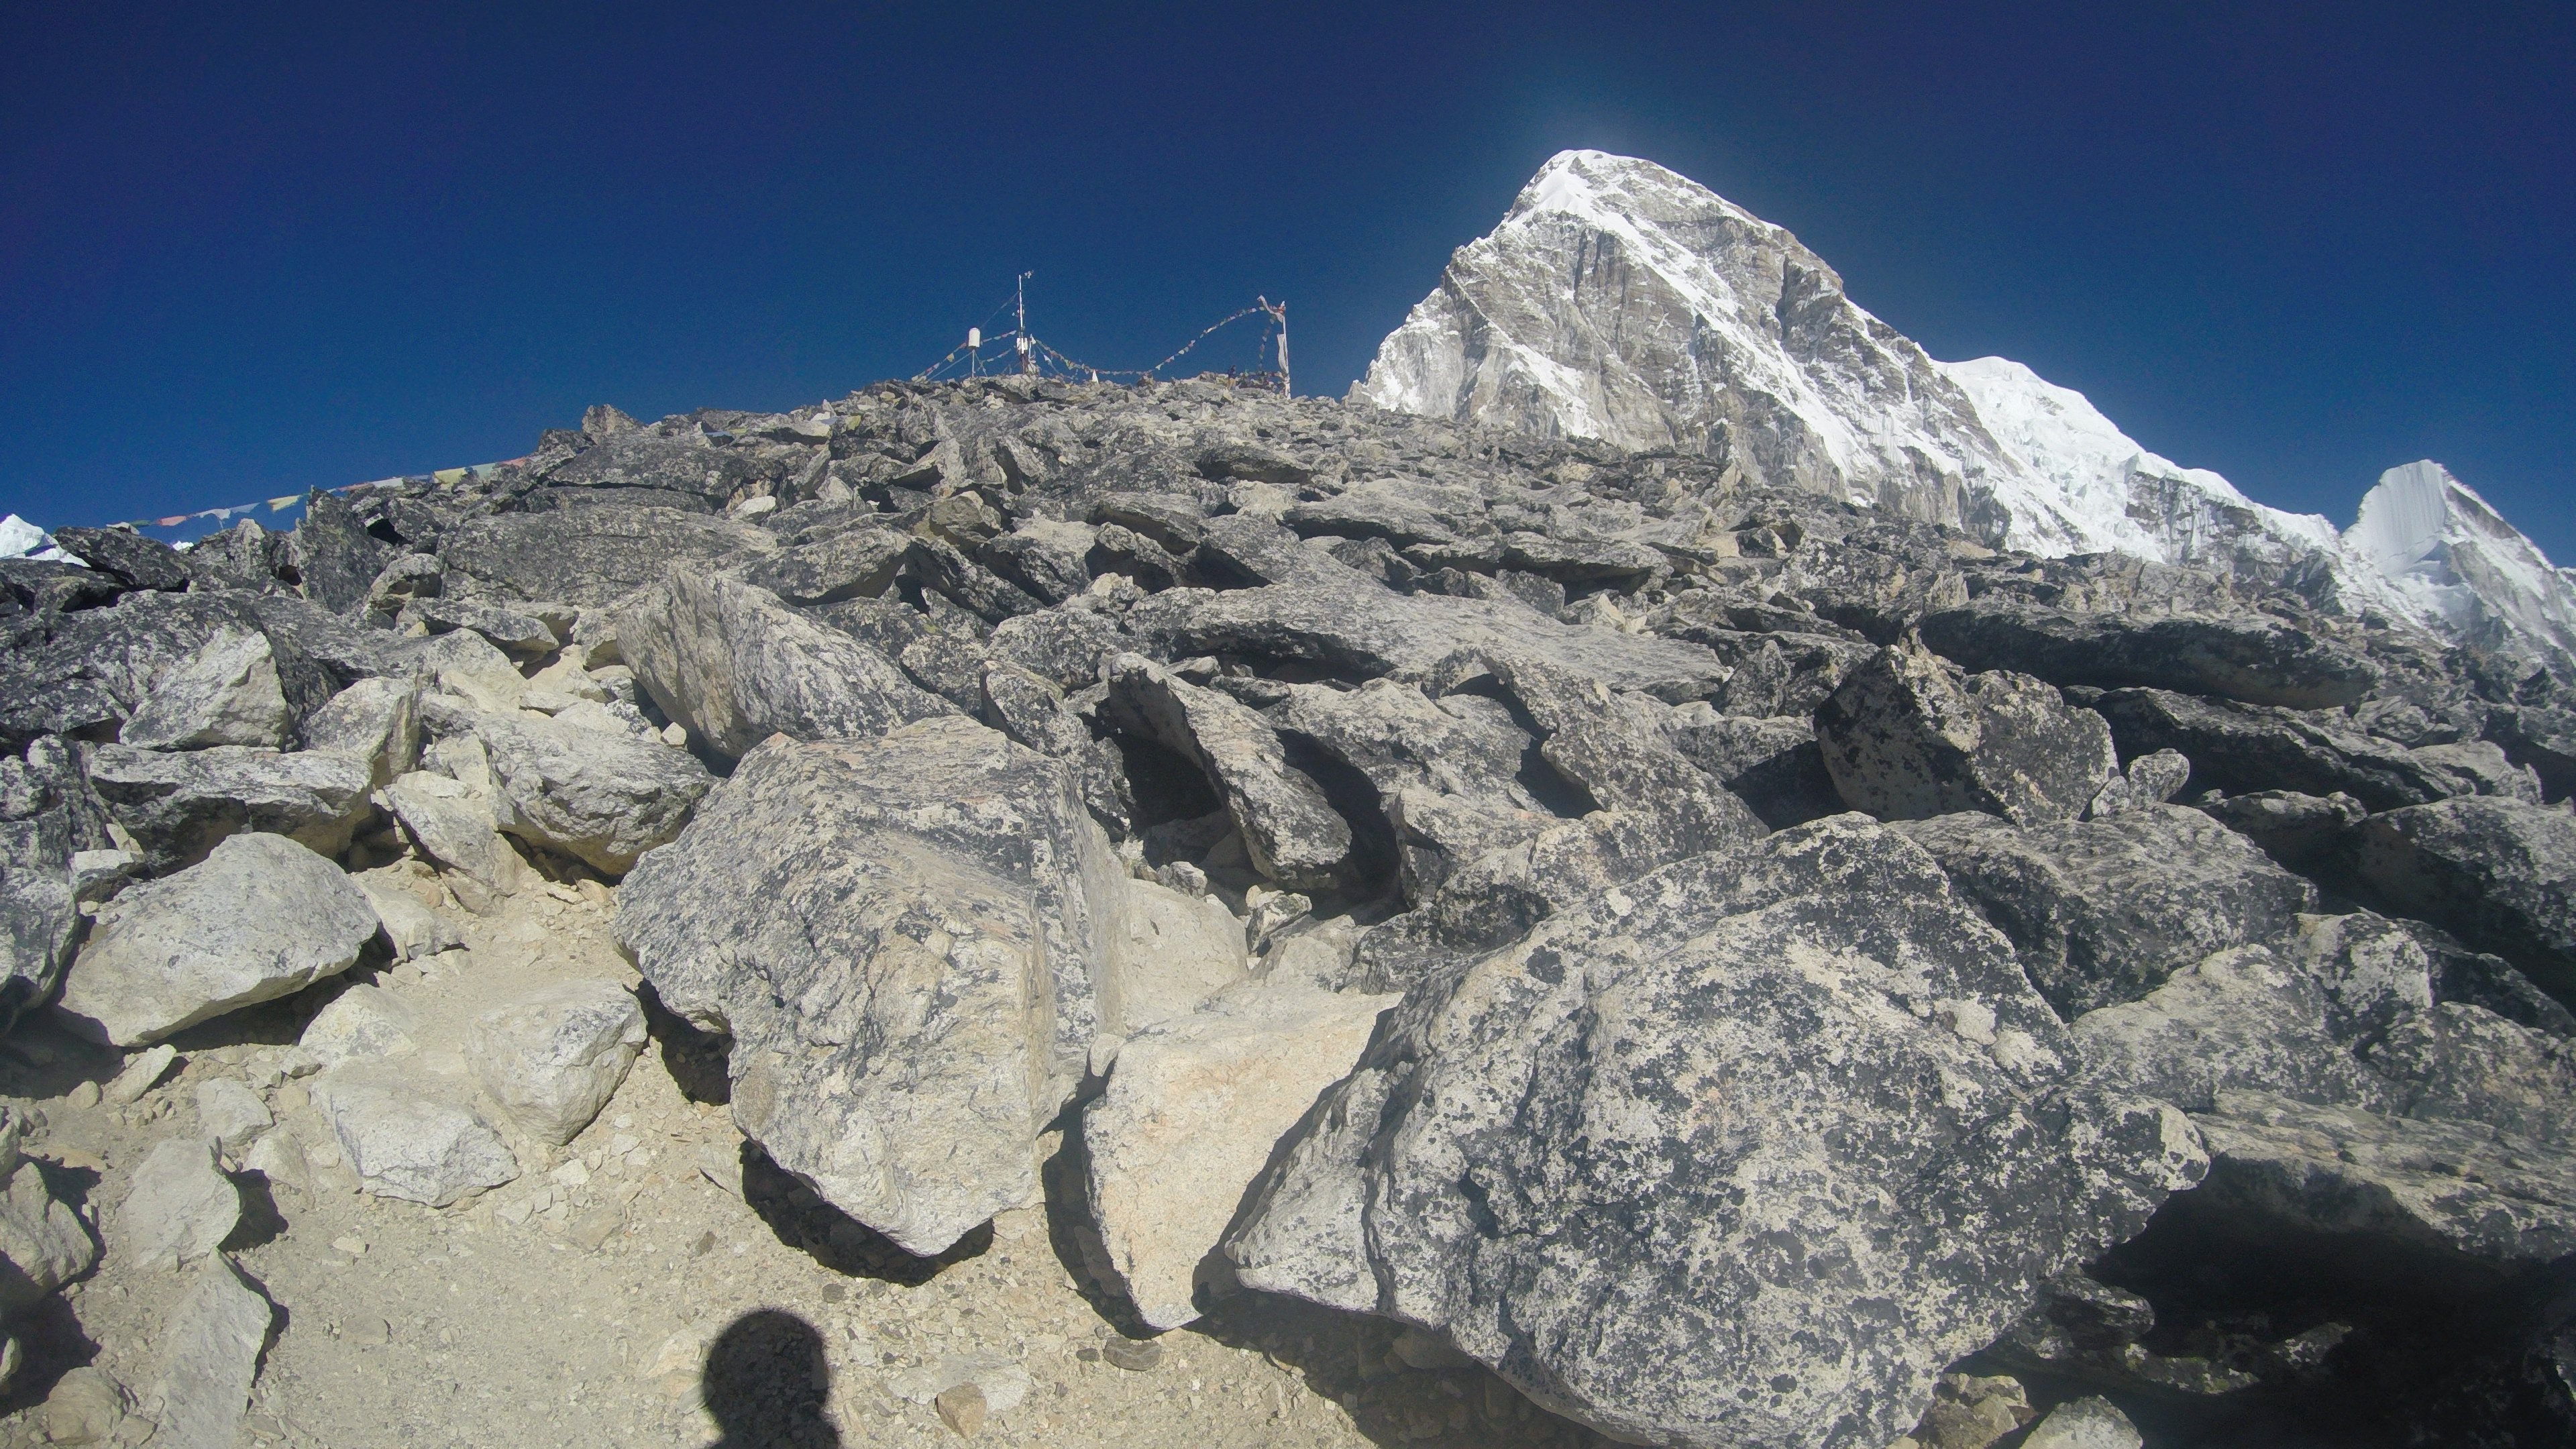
1063	913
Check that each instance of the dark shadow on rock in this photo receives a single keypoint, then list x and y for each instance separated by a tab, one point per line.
695	1059
1064	1177
831	1237
261	1221
40	1059
1358	1362
49	1334
1347	1357
281	1022
766	1384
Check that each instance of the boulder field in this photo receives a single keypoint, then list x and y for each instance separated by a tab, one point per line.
964	909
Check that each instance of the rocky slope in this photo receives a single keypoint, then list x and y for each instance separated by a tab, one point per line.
1620	301
959	910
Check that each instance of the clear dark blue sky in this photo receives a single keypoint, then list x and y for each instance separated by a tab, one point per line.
249	249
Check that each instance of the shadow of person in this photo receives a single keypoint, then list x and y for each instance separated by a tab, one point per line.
766	1382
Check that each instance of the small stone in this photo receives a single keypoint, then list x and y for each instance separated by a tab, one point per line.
140	1075
231	1114
595	1227
555	1056
355	1247
404	1143
2084	1424
277	1157
367	1331
962	1409
1136	1355
84	1096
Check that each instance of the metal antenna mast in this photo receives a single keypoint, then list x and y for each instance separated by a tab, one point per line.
1028	357
1279	313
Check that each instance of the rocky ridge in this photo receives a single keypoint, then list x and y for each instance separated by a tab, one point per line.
1541	939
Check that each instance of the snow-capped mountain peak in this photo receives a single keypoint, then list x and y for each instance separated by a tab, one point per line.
2453	559
1618	300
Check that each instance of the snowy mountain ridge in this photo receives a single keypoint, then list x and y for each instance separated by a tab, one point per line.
1619	300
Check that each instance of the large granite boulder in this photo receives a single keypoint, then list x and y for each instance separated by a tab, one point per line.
2103	910
1195	1107
145	563
260	918
1446	770
2246	747
48	815
2501	873
902	937
224	694
180	806
602	798
1348	624
736	666
2246	657
2453	1192
1744	1152
594	556
1906	738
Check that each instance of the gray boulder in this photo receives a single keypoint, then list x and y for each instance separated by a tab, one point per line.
2403	1188
553	1057
406	1140
364	1021
505	629
1906	738
903	938
261	917
1772	764
1446	770
2103	911
180	806
595	556
2299	831
1195	1107
2247	747
2247	657
48	816
145	563
333	555
2148	780
1347	623
599	797
1291	830
230	1115
1739	1153
224	694
411	928
178	1208
735	666
376	721
43	1242
209	1357
453	823
855	564
2501	873
2089	1423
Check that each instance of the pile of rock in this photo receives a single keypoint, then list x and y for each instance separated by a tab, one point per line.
1745	969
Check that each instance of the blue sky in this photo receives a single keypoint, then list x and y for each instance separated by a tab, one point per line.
244	254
